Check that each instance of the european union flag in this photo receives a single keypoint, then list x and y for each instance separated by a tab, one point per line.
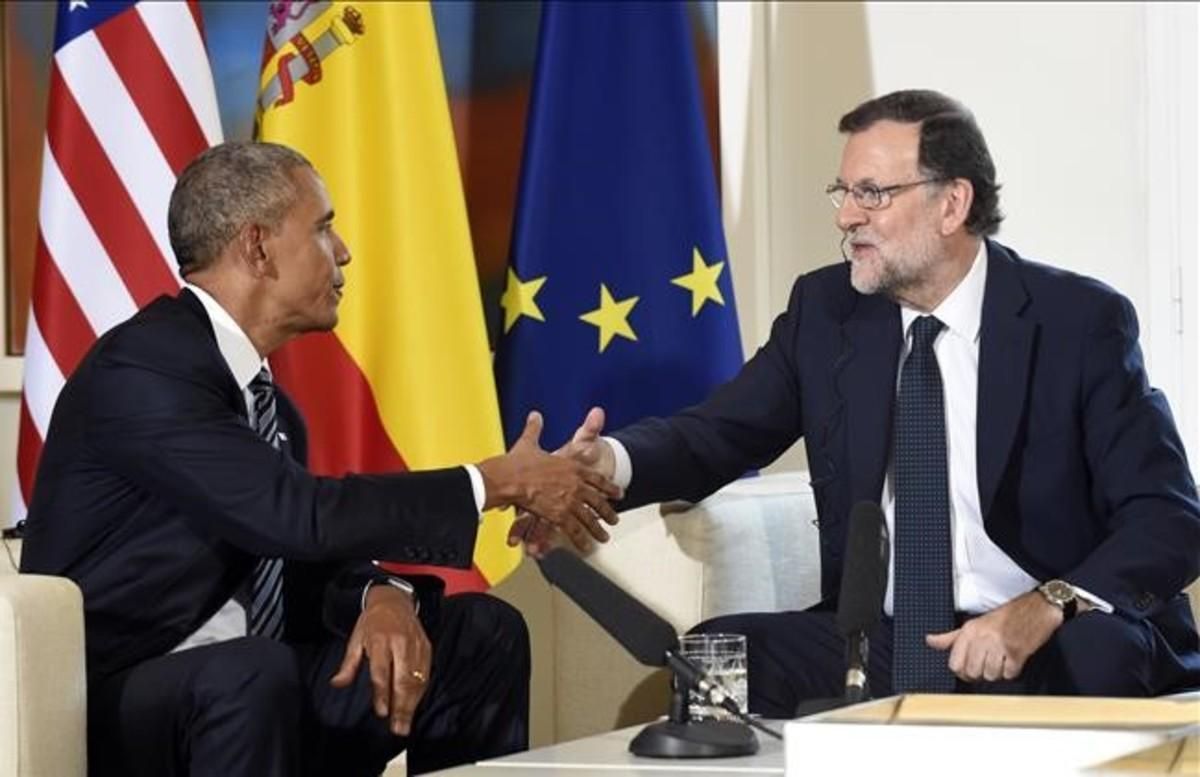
619	290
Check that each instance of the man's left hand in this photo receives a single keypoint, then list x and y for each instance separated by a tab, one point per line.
996	645
391	638
539	537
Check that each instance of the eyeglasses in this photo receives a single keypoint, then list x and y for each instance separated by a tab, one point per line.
868	196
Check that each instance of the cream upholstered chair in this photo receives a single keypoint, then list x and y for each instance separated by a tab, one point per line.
43	694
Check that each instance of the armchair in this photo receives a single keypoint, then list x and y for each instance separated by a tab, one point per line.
43	694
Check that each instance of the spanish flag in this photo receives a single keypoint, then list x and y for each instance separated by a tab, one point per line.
405	381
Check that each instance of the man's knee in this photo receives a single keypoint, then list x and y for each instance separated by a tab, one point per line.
1098	654
499	626
780	672
765	633
725	624
754	626
254	674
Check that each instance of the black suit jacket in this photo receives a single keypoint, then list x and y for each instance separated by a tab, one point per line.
1081	473
156	496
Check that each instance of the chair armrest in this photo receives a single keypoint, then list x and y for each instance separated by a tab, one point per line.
43	690
758	544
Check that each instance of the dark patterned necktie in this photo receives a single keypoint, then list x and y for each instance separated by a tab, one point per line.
265	613
924	586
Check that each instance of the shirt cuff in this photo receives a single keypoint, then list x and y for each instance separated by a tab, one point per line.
477	487
1095	602
623	471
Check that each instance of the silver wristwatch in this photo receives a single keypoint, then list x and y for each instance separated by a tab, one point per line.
1062	595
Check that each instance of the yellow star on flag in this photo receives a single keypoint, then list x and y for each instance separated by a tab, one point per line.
701	282
611	317
520	299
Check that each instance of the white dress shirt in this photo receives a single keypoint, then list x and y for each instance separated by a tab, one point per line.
985	577
244	363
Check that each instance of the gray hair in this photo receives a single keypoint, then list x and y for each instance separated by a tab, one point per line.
224	189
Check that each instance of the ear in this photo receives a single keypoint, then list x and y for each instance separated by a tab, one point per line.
956	205
253	250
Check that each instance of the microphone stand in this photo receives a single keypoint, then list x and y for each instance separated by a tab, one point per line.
857	652
681	737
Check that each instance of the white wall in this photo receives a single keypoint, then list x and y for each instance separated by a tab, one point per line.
1089	110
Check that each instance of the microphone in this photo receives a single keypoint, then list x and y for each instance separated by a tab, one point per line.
646	636
653	642
860	601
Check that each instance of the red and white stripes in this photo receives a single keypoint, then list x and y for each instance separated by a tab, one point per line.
131	103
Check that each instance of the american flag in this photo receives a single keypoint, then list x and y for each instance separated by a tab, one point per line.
131	103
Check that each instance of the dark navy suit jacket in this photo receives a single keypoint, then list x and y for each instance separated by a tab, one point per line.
1082	475
155	496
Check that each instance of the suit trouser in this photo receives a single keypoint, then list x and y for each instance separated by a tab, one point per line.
255	707
797	656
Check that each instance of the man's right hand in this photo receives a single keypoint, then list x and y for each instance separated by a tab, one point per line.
568	493
588	449
585	447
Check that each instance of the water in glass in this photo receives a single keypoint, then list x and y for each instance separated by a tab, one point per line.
723	657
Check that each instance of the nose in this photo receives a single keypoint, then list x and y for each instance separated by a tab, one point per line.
341	252
850	215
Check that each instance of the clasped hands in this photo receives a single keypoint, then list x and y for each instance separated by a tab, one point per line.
565	494
539	532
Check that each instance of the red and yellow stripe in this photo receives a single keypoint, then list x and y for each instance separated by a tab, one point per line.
405	380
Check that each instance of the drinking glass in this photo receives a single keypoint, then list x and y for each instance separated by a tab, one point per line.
723	658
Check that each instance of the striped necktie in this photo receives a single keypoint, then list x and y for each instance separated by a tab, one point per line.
265	613
924	585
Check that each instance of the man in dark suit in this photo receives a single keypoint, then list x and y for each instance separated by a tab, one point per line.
1043	518
235	624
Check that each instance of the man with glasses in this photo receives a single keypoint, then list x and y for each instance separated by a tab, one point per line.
1042	514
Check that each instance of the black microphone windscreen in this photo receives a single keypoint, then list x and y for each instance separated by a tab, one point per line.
864	570
644	634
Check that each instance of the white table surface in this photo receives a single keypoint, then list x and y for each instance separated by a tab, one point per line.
607	755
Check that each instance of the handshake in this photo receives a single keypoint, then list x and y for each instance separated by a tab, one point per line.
567	493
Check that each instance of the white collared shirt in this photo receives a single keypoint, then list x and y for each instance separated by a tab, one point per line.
984	575
244	363
235	346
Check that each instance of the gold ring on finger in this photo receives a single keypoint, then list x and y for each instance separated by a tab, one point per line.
417	675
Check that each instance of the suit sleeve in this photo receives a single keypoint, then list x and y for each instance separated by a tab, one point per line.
324	598
1141	481
745	424
176	436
